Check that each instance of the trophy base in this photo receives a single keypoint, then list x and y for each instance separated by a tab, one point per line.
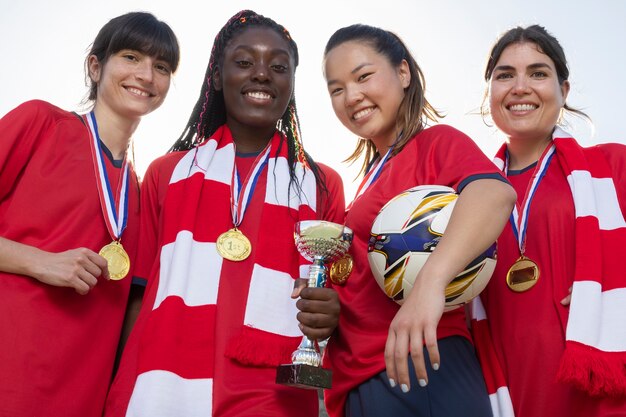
303	376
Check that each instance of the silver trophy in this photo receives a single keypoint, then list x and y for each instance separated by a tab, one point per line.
320	242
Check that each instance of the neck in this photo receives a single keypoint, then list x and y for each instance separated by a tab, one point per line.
524	152
383	144
251	140
115	131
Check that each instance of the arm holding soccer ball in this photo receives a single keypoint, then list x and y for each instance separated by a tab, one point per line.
479	216
377	90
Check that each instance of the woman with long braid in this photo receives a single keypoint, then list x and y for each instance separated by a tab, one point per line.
217	244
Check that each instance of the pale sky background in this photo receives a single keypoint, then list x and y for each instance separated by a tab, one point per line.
43	45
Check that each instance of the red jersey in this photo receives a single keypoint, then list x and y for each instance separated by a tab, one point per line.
528	328
439	155
58	347
237	390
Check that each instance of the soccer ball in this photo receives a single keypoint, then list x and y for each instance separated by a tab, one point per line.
406	231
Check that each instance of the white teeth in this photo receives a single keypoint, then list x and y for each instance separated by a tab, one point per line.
522	107
259	95
138	91
362	113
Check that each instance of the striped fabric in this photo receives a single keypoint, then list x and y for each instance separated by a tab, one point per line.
495	381
595	354
176	369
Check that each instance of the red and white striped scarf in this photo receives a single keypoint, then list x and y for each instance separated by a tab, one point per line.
594	360
176	369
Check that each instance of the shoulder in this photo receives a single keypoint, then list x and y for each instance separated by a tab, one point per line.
443	129
615	154
333	203
41	108
329	172
157	178
39	111
442	138
441	134
164	165
331	179
612	149
33	121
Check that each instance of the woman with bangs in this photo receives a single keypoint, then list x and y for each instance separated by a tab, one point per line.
68	224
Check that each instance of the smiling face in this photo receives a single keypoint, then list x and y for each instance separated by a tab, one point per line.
130	84
525	97
366	91
257	78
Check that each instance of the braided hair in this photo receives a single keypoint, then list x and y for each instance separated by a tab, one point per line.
209	112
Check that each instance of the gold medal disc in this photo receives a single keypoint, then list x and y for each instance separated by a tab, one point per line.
118	261
233	245
522	275
341	269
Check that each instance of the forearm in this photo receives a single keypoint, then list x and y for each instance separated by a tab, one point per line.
76	268
18	258
480	214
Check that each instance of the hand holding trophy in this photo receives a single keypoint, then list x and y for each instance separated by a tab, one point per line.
320	242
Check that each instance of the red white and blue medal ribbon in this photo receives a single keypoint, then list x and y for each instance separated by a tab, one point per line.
519	221
342	267
233	244
115	215
524	273
371	176
241	193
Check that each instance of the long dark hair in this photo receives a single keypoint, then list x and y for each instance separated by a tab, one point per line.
209	112
139	31
415	110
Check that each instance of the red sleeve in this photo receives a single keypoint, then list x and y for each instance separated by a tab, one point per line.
332	203
450	150
20	132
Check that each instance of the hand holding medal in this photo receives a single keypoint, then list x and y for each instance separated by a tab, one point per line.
75	268
118	261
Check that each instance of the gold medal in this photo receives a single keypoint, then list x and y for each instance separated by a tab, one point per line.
118	261
341	269
233	245
522	275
